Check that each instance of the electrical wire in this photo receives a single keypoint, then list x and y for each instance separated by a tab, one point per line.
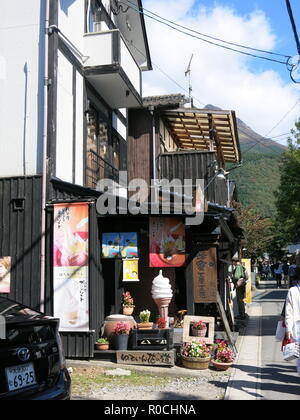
290	12
174	81
285	115
176	27
209	36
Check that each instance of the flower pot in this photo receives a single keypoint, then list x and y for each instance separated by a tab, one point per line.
199	333
111	321
128	310
102	346
195	362
145	325
121	341
221	365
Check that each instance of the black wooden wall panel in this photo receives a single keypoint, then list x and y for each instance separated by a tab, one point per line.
20	236
78	345
195	165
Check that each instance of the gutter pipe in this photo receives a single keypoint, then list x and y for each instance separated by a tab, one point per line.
45	163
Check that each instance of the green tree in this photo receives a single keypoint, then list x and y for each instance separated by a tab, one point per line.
288	193
258	231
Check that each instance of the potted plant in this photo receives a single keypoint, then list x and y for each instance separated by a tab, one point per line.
102	344
121	334
196	355
199	329
222	355
145	320
161	323
128	306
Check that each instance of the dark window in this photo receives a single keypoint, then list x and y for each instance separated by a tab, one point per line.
97	17
103	149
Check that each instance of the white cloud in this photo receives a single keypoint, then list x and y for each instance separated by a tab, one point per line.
220	77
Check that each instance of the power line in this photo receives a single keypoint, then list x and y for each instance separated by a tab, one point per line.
164	73
181	87
285	115
286	63
212	37
290	12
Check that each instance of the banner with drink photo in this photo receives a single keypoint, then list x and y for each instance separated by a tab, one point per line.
167	242
70	271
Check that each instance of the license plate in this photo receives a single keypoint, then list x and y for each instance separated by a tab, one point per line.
19	377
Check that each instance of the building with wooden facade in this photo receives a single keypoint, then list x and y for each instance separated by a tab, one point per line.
71	71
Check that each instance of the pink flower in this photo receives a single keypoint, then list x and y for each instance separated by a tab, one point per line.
121	328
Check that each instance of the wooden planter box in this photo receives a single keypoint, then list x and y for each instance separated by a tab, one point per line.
154	339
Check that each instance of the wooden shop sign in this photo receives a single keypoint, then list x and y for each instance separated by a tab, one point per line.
205	276
156	358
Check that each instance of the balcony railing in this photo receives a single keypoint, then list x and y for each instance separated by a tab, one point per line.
97	168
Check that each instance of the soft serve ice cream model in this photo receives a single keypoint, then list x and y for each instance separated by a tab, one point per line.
162	295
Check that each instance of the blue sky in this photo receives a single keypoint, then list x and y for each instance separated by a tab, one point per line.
276	13
261	92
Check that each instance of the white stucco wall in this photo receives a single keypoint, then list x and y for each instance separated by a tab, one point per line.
69	118
71	20
21	87
64	130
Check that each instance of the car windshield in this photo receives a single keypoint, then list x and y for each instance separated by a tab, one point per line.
10	309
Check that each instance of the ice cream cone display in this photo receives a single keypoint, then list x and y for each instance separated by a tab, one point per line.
162	295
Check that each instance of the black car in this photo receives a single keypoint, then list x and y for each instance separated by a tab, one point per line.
32	365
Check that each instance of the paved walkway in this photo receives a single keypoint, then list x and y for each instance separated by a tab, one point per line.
260	373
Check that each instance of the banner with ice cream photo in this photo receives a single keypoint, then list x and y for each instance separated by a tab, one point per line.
167	242
70	271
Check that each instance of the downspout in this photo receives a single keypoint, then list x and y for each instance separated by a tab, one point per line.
45	166
154	168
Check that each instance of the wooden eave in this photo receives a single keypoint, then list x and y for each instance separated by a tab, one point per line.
205	130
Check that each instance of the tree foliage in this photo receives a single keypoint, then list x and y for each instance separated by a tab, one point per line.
258	231
288	193
258	178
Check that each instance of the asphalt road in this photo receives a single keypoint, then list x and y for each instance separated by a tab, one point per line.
278	379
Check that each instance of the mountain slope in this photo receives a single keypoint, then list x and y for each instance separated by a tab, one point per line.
259	175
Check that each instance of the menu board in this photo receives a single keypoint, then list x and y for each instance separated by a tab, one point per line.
205	276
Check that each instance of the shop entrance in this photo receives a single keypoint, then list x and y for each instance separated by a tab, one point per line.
108	272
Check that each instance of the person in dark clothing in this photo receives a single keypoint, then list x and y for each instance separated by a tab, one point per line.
239	279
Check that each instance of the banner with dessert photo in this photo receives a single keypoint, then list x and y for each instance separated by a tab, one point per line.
70	271
5	267
167	242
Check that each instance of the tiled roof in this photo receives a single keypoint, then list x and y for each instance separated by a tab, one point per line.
164	100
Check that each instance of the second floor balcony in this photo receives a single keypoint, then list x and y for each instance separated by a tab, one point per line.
111	69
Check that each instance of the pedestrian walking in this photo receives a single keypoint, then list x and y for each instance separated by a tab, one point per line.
285	273
278	273
239	279
292	316
292	274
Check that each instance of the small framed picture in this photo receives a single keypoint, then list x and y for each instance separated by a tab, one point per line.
198	328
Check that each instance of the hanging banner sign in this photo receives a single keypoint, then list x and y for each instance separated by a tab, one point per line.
131	270
247	264
167	242
70	271
205	276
